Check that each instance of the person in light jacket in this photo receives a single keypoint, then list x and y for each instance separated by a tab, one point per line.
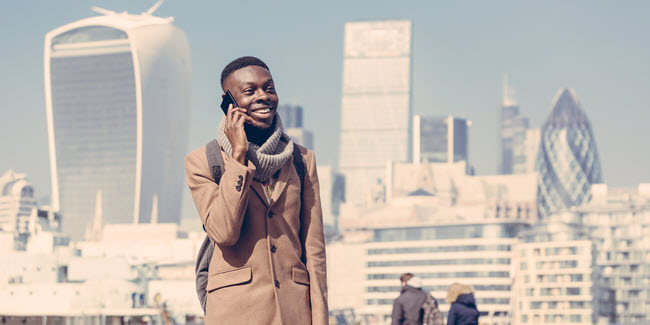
463	309
268	265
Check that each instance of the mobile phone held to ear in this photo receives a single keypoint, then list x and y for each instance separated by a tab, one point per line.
227	100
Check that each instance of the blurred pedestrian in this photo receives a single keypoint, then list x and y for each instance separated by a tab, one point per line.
463	309
415	306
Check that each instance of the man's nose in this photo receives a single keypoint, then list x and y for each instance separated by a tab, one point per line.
262	96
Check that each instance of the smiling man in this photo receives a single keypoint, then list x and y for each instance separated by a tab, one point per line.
264	215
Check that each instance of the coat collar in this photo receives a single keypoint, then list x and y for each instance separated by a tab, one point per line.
280	185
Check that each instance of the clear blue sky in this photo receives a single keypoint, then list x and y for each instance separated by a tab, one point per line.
461	49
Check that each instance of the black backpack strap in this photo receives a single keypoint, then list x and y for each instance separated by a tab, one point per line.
300	165
215	161
301	169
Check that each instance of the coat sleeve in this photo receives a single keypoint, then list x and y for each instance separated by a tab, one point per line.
313	243
451	317
221	207
397	315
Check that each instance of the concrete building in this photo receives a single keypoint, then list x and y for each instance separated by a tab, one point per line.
376	103
442	225
558	281
117	90
17	202
332	187
618	220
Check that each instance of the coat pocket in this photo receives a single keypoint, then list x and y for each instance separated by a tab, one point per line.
229	278
299	275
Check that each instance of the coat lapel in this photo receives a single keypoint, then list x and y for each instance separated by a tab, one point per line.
259	189
282	181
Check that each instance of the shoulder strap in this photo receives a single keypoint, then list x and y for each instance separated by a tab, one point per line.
300	165
215	161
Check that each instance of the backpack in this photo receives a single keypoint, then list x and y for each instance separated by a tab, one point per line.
215	162
431	315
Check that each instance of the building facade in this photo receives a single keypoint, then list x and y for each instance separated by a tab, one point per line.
376	103
293	125
528	152
117	89
440	138
618	220
557	279
17	203
568	162
444	226
512	132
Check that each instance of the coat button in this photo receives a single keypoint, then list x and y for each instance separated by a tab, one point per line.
277	284
271	214
273	249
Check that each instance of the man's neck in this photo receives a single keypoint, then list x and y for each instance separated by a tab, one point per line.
258	136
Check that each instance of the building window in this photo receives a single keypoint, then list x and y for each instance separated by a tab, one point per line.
573	291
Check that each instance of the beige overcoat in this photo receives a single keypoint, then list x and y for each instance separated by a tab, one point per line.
268	265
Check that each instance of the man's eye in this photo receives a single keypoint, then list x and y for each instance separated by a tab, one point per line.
270	88
248	91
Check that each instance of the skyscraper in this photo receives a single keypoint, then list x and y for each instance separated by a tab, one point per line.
292	122
440	138
376	103
526	154
291	116
117	89
568	162
512	133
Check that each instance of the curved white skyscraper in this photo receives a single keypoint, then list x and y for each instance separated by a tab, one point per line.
117	89
568	162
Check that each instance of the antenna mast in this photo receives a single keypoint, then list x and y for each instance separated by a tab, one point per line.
154	7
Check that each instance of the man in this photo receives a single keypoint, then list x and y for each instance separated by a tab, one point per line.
268	265
415	306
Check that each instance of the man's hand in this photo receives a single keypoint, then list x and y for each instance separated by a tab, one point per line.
234	130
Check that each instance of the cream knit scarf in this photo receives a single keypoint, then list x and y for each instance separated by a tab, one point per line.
267	158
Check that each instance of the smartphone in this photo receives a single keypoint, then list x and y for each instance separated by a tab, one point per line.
227	100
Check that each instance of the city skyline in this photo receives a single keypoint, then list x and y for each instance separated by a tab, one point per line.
455	72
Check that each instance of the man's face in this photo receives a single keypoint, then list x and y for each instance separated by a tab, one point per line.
254	90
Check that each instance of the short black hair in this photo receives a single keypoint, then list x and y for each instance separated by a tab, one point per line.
240	63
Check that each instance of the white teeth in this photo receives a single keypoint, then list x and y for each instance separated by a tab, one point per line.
263	111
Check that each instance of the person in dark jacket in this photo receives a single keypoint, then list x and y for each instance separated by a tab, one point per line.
463	307
407	307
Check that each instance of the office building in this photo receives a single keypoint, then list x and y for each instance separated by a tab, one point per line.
440	138
117	89
527	153
568	162
375	105
293	125
512	132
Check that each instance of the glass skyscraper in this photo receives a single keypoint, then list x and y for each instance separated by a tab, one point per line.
441	138
568	162
376	103
117	92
